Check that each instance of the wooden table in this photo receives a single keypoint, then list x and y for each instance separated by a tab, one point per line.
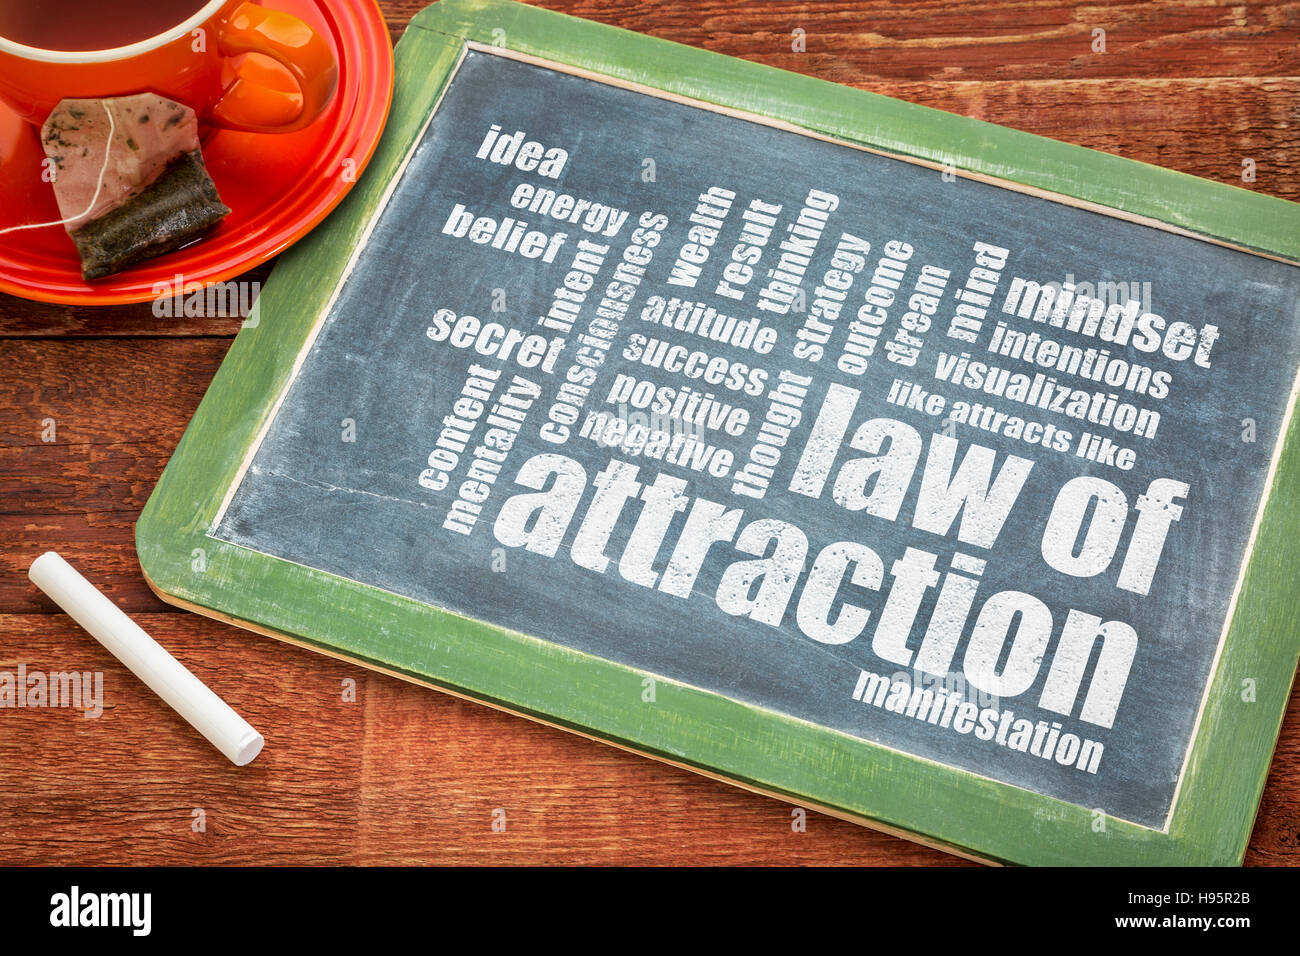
404	775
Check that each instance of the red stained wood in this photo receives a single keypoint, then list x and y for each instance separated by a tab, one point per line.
406	775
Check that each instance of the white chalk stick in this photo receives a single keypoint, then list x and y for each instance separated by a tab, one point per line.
146	658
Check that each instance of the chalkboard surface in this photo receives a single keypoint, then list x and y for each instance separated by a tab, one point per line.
932	462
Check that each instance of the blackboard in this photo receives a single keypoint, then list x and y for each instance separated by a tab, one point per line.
930	460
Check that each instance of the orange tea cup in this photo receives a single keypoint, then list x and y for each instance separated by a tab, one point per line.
187	61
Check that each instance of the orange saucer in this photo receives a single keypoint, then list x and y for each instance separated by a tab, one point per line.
278	186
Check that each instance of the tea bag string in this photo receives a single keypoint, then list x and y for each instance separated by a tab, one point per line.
99	186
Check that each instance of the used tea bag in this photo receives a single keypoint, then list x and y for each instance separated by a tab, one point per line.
150	196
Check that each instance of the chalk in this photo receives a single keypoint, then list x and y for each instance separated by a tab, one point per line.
146	658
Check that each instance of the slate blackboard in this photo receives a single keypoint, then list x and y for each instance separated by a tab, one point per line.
929	473
335	484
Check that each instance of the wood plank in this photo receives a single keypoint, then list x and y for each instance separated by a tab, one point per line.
20	318
119	407
1200	127
121	789
1192	88
437	768
400	776
855	42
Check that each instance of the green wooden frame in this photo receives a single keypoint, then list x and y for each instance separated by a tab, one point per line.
753	747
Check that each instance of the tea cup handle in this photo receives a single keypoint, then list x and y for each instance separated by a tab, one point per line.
254	107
